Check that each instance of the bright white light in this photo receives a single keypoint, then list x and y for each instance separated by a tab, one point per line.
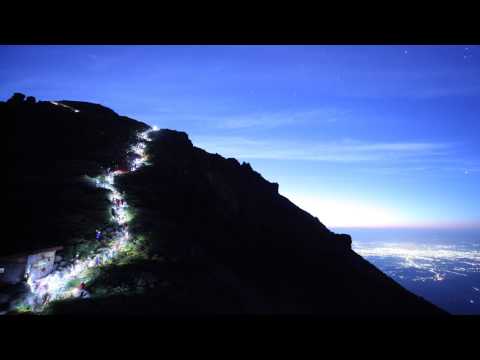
109	178
155	127
65	106
144	135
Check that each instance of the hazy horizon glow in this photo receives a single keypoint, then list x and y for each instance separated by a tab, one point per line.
359	136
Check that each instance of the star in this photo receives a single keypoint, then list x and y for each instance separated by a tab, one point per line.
405	52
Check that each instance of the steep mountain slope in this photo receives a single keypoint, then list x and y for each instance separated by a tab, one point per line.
213	235
50	149
198	206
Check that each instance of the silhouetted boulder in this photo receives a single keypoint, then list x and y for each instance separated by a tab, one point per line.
176	139
16	99
345	240
247	166
30	100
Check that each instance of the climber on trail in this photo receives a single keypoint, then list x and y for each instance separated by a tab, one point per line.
83	291
98	234
45	298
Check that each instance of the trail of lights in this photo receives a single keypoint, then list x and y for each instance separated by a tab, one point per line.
56	285
65	106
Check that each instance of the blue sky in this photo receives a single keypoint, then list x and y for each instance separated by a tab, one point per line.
356	135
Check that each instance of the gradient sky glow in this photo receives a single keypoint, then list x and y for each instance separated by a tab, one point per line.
356	135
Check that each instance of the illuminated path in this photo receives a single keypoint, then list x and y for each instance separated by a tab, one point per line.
55	286
65	106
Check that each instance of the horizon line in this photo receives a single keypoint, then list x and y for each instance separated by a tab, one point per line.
473	226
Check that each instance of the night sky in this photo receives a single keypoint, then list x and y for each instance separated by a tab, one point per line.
356	135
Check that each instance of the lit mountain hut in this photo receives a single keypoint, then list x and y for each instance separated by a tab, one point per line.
35	264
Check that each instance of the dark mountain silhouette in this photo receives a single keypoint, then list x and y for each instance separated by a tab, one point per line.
219	238
50	149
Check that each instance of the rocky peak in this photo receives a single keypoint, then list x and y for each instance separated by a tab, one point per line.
174	138
20	99
17	98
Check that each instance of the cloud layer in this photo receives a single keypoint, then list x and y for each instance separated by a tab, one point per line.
345	151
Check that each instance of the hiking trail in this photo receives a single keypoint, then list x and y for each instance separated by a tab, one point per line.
55	286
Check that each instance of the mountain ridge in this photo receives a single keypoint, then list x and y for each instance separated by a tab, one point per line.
230	243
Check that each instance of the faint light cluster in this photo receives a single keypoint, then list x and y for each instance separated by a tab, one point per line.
433	263
418	252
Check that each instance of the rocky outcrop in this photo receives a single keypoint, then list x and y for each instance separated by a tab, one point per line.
16	99
31	100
